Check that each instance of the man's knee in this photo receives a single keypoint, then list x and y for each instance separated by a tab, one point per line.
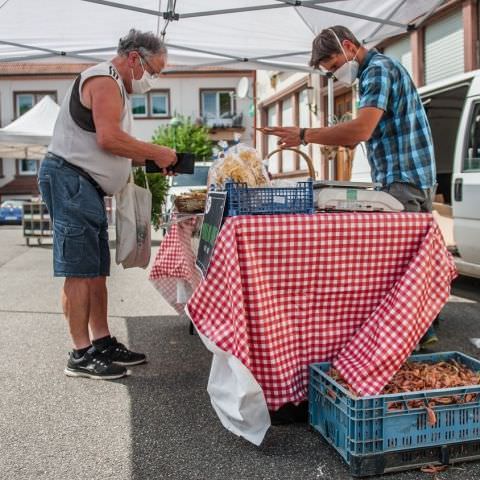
73	283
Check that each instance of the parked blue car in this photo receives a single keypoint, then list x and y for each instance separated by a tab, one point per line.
11	211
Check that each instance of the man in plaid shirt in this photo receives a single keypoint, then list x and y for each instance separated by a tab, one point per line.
391	121
391	118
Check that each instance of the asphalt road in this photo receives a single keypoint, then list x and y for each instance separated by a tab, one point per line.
157	423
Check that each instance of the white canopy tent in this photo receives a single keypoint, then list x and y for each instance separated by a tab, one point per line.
29	135
264	34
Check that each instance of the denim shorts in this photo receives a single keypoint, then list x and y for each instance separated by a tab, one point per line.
79	221
413	199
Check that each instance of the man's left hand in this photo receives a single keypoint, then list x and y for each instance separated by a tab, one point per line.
289	136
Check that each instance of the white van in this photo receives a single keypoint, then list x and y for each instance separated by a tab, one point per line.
453	109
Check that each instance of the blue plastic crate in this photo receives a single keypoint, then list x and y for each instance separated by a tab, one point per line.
373	439
243	200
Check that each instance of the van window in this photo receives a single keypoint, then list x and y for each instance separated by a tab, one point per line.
199	178
471	162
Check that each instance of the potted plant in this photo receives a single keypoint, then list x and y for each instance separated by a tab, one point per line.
185	137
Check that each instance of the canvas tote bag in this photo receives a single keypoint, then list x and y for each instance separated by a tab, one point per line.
132	219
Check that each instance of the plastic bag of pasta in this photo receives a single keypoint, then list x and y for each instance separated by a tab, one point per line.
241	164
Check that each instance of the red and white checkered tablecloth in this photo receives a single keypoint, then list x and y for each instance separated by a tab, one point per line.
175	262
284	291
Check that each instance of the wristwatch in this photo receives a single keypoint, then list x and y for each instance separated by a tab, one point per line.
302	136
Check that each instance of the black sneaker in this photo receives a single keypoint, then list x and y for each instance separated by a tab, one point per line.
118	353
94	365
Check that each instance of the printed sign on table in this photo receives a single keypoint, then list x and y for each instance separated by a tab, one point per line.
212	222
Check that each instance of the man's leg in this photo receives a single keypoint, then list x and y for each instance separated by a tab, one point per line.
99	331
97	320
82	298
415	200
76	306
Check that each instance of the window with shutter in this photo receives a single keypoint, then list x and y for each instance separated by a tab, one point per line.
444	48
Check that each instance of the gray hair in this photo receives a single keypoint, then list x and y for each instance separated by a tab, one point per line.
147	43
326	44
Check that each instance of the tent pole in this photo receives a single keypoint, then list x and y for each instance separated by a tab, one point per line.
208	52
251	8
330	120
379	38
50	52
392	13
126	7
356	15
330	99
428	14
206	13
26	58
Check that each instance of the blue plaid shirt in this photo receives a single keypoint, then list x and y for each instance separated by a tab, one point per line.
400	148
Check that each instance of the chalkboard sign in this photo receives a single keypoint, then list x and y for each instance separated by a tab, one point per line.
212	222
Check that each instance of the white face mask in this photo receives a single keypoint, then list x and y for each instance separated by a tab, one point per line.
347	73
144	84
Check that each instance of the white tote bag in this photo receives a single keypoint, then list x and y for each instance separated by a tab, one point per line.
132	219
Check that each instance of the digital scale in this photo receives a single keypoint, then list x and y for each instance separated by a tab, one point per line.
353	197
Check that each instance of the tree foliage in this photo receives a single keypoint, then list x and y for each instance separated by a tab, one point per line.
185	137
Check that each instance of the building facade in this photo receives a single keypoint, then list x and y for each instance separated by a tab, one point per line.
445	45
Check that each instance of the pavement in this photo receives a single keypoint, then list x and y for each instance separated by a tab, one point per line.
157	423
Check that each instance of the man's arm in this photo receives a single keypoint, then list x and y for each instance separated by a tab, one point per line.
102	95
352	132
349	133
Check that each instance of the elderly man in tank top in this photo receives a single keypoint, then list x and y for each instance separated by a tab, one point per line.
90	156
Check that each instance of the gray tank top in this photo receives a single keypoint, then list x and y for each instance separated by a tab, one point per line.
74	136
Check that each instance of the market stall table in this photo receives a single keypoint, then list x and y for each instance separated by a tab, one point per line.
173	272
284	291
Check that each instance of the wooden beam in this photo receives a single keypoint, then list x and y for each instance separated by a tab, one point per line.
417	42
278	108
470	34
296	122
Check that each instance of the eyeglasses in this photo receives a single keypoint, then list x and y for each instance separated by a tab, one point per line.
152	72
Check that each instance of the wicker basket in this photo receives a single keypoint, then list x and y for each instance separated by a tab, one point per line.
191	203
311	169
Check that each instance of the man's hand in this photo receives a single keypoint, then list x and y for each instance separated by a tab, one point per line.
289	136
166	157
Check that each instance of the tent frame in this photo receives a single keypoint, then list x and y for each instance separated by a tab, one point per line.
224	59
170	15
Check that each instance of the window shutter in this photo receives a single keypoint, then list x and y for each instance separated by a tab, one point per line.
444	54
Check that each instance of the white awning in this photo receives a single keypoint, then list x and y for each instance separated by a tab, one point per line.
247	34
29	135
